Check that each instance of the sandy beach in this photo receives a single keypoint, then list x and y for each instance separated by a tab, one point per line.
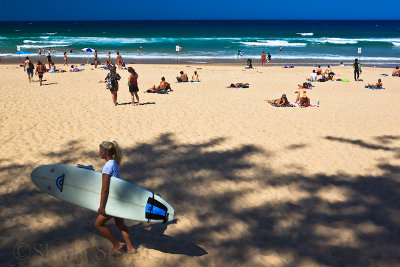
251	184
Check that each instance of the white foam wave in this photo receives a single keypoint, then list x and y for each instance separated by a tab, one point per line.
44	42
396	44
273	43
306	33
41	46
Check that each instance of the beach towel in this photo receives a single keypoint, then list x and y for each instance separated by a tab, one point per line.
384	74
159	92
287	106
311	105
373	88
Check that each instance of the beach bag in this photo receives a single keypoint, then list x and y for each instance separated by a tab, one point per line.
108	85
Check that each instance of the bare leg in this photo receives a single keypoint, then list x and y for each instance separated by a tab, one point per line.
114	97
298	96
125	234
137	97
105	231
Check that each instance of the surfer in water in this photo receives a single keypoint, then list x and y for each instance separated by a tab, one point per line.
112	154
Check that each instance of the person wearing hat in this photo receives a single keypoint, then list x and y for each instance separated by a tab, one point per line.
283	101
304	101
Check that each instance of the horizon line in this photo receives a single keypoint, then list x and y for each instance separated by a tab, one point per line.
189	20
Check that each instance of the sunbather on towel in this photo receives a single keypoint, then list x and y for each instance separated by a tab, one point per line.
283	101
162	86
377	85
239	85
304	101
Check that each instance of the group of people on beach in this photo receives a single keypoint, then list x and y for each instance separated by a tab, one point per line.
112	79
327	75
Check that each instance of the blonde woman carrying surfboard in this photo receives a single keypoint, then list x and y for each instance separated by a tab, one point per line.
112	154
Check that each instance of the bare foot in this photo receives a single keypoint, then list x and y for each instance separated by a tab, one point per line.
116	248
131	251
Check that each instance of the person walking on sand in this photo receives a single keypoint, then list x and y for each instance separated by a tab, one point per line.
96	59
112	154
39	71
263	57
49	60
28	67
113	77
133	85
119	60
357	68
269	58
65	59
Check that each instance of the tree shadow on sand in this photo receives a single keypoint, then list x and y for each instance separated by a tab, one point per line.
231	211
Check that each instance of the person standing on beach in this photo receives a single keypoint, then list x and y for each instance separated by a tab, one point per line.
269	58
119	60
70	50
112	154
65	59
96	59
263	56
113	77
133	85
39	52
28	67
356	67
40	70
43	53
49	60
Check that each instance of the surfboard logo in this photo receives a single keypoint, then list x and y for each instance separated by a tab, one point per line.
60	182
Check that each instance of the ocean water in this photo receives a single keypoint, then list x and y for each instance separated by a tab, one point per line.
211	41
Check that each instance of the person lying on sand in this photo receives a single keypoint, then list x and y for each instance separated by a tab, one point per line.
377	85
162	86
239	85
195	77
283	101
74	69
305	85
304	101
396	71
182	78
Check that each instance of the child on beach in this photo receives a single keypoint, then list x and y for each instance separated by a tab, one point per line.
133	85
113	77
40	69
377	85
28	67
112	154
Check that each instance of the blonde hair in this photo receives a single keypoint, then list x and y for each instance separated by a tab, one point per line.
113	150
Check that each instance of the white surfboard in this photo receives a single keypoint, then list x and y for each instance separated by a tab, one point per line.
82	187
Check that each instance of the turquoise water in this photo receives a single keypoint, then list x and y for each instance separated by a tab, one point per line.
207	41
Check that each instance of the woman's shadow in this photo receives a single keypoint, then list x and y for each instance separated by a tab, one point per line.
152	237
